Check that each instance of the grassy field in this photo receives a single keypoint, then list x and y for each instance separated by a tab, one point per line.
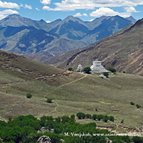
70	92
85	93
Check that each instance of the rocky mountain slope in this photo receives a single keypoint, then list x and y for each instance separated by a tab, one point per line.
50	40
123	51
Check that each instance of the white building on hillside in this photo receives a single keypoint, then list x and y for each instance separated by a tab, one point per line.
97	67
79	68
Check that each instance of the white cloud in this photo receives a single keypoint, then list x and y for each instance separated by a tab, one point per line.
46	2
11	5
7	12
66	5
80	14
37	9
130	9
107	12
26	6
46	8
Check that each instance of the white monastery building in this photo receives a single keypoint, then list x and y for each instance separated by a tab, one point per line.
79	68
97	67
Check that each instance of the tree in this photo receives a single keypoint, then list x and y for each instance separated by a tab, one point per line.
49	100
70	69
100	117
106	74
105	118
45	119
137	140
94	117
88	116
113	70
138	106
122	122
80	115
132	103
29	95
73	118
66	119
87	70
111	118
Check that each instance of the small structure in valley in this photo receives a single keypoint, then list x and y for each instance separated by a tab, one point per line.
97	67
79	68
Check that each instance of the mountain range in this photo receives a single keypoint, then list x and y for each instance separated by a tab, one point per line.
123	51
46	41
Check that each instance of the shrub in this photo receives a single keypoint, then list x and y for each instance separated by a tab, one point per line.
137	140
73	117
80	115
111	118
132	103
29	95
106	74
87	70
49	100
122	121
70	69
112	70
138	106
94	117
65	119
88	116
105	118
100	117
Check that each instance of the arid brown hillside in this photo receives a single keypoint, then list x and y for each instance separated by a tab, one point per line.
21	67
123	51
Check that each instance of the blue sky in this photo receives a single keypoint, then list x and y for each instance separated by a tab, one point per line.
50	10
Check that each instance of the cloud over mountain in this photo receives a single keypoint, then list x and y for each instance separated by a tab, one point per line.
92	4
5	13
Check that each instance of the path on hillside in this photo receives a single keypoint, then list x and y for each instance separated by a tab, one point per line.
56	107
5	85
74	81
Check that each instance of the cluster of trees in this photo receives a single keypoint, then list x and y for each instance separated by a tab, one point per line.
64	124
95	117
21	129
27	129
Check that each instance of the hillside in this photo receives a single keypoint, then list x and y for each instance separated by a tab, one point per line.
70	92
123	51
26	69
